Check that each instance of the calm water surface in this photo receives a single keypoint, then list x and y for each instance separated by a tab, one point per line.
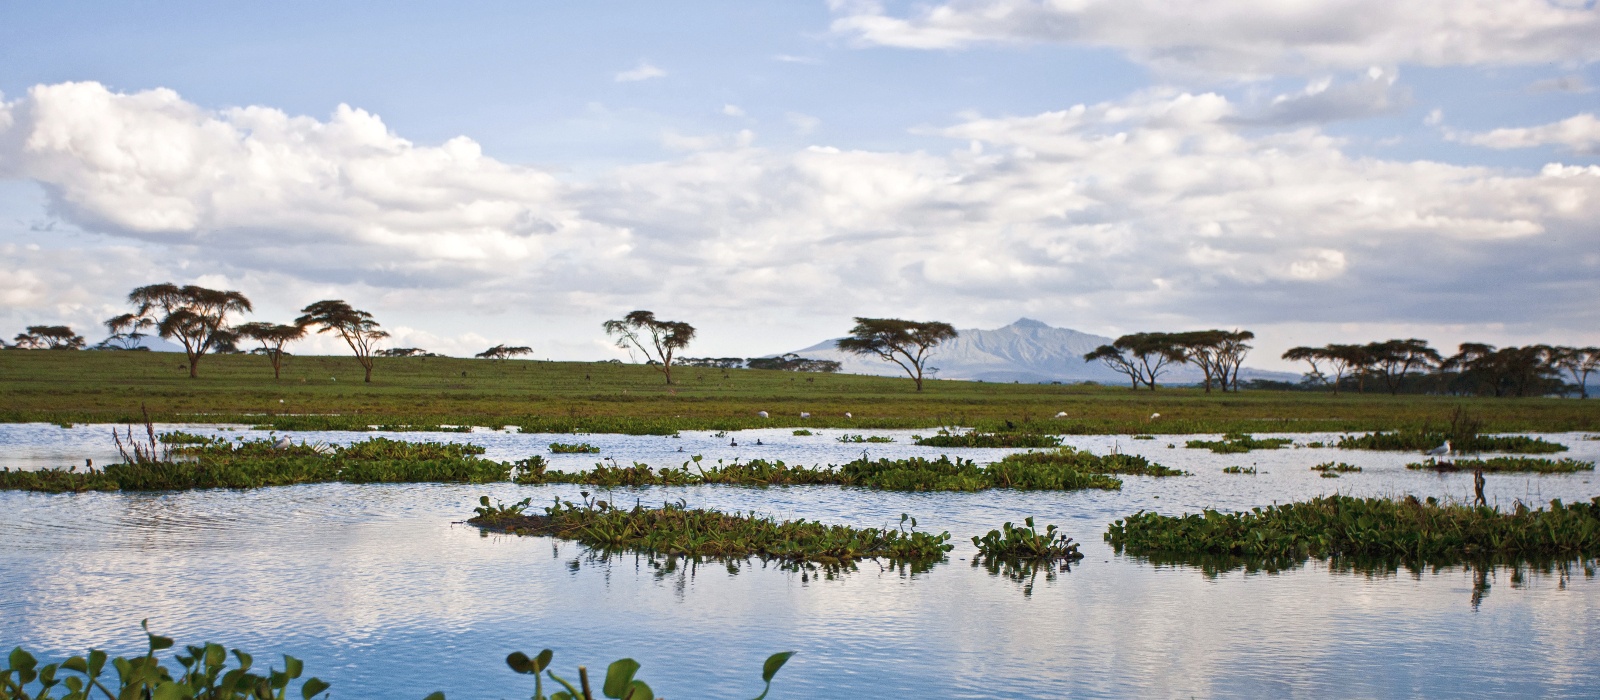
387	596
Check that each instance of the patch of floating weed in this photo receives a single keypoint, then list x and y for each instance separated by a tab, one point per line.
1238	470
1538	465
977	439
573	448
803	433
1335	467
1419	441
1334	526
1233	443
676	529
847	438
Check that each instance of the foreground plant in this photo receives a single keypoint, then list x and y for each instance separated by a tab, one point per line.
621	682
201	673
1344	526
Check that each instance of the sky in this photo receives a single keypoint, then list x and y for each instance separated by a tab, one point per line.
477	173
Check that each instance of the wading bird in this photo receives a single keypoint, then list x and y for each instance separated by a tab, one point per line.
1440	451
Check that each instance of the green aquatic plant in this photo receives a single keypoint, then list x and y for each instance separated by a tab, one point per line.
1144	437
848	438
803	433
1344	526
1238	470
1422	441
1335	467
1537	465
1079	460
1026	542
201	673
676	529
178	437
573	448
977	439
1233	443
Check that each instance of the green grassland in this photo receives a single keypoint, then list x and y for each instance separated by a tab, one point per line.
327	392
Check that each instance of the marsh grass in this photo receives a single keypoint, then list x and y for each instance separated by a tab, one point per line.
1344	526
675	529
564	397
1537	465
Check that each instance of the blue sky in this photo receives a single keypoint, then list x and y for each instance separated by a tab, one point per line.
477	173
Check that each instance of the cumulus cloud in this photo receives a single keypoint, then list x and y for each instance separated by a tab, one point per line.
643	71
1324	101
333	199
1250	36
1578	134
1153	209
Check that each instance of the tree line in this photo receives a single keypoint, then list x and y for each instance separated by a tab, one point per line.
1411	365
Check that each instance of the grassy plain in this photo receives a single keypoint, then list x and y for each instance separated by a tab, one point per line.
327	392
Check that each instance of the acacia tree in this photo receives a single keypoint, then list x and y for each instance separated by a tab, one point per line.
1118	361
1578	363
1341	359
49	338
665	338
1506	371
272	337
196	317
1217	353
124	331
1394	359
906	343
354	325
504	352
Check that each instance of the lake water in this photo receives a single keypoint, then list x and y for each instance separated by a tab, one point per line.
384	593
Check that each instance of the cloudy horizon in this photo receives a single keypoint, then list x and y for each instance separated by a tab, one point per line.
1344	172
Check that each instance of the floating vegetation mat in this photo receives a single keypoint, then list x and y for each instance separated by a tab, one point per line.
1335	468
847	438
1063	469
675	529
977	439
1234	443
1238	470
1537	465
1421	441
1343	526
574	448
218	463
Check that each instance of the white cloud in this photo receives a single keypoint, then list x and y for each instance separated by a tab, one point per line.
788	58
803	124
1578	134
1251	36
644	71
1324	101
1077	209
733	110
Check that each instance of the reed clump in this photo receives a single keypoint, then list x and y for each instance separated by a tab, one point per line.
1344	526
1234	443
1537	465
675	529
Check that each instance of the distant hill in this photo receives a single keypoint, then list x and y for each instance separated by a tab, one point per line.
1025	351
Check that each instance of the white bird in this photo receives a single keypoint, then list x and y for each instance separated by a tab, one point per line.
847	415
1062	414
1440	451
763	414
282	443
1154	416
803	414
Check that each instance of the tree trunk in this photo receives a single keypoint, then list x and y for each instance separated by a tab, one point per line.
194	366
369	373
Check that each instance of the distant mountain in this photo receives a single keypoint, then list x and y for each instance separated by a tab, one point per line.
1025	351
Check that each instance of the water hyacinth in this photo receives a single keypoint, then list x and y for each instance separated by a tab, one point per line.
676	529
1233	443
1344	526
1537	465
